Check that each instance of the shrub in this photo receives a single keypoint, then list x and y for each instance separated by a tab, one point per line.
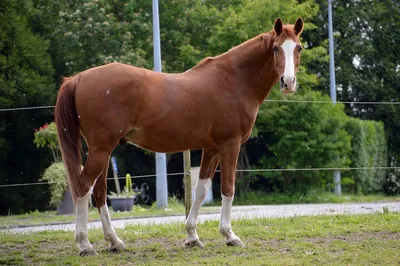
56	177
369	149
303	135
392	184
46	136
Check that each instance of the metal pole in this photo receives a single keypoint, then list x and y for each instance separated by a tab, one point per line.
187	180
161	168
336	173
115	173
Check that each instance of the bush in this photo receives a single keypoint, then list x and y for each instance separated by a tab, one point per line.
369	149
392	184
46	136
56	177
303	135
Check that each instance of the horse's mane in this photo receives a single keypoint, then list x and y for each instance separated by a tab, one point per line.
255	44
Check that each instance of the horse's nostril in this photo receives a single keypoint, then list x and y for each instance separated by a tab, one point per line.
294	79
282	80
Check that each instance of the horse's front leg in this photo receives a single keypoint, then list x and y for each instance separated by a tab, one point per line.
229	155
209	163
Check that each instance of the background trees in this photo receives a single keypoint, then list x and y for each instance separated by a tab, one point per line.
42	40
26	79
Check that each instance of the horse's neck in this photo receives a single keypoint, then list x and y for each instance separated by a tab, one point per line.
253	63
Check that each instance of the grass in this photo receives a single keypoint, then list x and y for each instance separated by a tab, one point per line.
313	240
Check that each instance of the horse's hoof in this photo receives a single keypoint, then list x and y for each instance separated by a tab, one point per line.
235	243
194	243
118	246
88	252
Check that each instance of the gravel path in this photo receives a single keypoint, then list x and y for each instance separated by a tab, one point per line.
238	212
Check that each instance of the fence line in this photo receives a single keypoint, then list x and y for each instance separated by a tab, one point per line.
266	100
318	101
27	108
238	170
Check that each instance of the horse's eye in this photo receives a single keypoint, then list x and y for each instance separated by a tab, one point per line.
300	48
275	48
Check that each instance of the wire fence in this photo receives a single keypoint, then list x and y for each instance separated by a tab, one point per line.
238	170
27	108
242	170
267	100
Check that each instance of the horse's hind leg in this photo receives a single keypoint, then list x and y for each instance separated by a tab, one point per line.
209	163
94	166
100	195
229	155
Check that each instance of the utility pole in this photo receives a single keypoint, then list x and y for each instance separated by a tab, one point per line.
161	165
336	173
187	180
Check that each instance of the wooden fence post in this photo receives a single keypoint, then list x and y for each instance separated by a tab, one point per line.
187	180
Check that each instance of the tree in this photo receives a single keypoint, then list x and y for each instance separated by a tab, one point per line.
25	80
367	60
304	135
369	149
92	35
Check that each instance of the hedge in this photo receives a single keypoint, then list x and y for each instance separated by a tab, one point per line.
369	149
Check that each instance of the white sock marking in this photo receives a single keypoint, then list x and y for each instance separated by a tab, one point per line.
200	194
81	232
82	211
108	230
225	226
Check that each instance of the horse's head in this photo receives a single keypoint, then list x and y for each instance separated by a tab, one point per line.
287	50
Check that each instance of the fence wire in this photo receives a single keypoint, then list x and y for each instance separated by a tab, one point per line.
238	170
27	108
266	100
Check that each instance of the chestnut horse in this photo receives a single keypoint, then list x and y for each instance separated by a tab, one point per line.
212	106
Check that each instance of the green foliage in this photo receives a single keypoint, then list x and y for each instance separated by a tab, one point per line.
46	136
26	79
303	135
56	176
392	184
367	60
369	149
92	34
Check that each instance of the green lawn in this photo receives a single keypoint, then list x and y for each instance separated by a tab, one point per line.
332	240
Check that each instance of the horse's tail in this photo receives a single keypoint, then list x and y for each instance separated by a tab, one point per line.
68	130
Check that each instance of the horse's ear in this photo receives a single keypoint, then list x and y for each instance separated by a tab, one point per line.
278	26
298	26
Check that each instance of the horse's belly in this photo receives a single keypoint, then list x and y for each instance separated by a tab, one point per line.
164	141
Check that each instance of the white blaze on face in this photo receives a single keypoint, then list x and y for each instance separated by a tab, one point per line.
288	50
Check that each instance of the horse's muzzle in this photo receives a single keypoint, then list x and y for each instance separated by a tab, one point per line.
288	84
